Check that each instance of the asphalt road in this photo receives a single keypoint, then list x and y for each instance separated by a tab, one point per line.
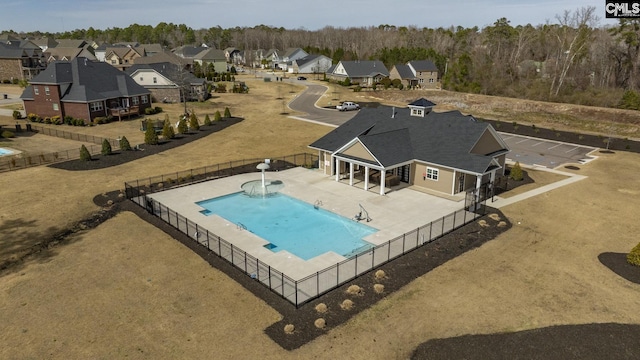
547	153
306	102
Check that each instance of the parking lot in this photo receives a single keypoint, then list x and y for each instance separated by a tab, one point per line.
547	153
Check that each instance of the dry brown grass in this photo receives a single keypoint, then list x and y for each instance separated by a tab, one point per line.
380	275
494	217
378	288
321	308
127	289
320	323
289	329
355	290
347	304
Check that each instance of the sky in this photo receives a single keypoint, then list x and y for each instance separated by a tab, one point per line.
68	15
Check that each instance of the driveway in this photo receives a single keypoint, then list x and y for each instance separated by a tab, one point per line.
548	153
306	102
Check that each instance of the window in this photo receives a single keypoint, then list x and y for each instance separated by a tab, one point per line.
155	80
55	107
36	90
416	112
432	174
144	99
113	61
141	78
96	106
421	81
134	100
46	90
431	81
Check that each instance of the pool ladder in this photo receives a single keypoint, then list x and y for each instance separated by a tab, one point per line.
317	204
241	226
359	216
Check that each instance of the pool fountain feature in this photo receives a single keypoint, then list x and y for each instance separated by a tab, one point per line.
263	167
262	187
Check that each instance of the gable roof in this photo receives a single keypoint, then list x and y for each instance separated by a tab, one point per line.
309	58
188	51
62	53
70	43
82	80
210	55
168	70
364	68
161	57
422	102
423	65
444	139
13	50
404	71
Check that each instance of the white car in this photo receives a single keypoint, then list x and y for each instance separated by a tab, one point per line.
348	105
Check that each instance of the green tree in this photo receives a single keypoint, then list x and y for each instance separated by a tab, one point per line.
227	113
207	120
124	144
630	100
167	129
194	124
182	126
516	172
217	116
634	256
150	136
85	155
106	147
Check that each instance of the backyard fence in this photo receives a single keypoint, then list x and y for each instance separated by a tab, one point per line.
26	159
303	290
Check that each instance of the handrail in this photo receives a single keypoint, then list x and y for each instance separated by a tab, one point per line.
317	204
241	226
359	216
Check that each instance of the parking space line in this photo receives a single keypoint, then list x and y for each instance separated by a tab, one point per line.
555	146
521	141
571	149
538	143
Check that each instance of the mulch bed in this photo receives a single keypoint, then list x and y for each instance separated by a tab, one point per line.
122	157
618	263
590	341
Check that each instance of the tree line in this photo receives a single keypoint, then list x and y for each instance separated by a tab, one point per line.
571	59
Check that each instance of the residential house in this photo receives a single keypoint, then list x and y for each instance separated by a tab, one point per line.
169	82
84	89
121	57
234	56
290	55
45	43
20	60
448	153
152	49
212	57
71	43
62	53
311	64
421	74
359	72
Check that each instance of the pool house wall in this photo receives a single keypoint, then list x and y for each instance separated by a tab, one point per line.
299	291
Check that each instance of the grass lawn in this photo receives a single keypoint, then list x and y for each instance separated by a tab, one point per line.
126	289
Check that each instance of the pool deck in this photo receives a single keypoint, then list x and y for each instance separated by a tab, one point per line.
397	212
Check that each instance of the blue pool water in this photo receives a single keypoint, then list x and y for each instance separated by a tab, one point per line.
5	152
292	225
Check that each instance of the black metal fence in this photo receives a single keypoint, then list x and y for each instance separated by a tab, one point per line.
303	290
28	159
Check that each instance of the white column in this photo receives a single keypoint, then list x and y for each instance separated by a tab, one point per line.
478	183
366	178
382	181
337	169
350	174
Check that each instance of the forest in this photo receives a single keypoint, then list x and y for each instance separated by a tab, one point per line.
571	59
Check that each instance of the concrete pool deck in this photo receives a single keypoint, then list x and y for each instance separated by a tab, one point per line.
393	214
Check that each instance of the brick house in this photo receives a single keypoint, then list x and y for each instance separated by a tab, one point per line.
84	89
20	60
422	74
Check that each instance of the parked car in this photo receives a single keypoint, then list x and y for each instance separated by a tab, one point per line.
347	106
302	78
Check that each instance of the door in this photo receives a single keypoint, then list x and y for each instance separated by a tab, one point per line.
405	173
461	183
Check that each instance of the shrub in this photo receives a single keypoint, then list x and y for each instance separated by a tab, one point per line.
289	329
207	120
7	134
193	122
346	305
380	274
84	154
157	109
124	144
355	290
217	116
633	257
150	136
106	147
357	88
68	119
516	172
56	120
378	288
167	129
149	111
320	323
182	126
17	115
227	113
321	308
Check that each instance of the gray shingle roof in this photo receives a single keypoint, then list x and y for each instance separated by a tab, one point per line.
364	68
169	70
423	65
82	80
422	102
444	139
405	71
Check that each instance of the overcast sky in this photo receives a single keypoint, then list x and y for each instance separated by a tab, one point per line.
67	15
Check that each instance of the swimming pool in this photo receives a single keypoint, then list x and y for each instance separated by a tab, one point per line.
292	225
4	151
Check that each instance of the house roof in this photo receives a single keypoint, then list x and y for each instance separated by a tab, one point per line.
211	55
60	53
445	139
422	102
364	68
161	57
45	41
309	58
423	65
169	70
14	50
70	43
188	51
404	71
82	80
